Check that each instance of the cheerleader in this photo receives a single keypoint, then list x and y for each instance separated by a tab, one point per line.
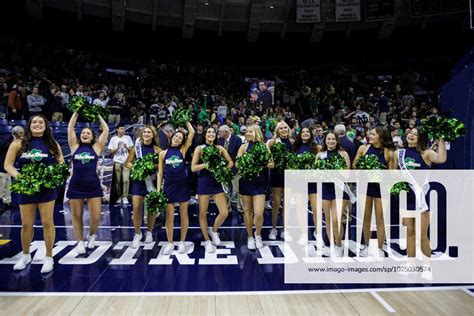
277	177
38	146
253	191
380	145
417	156
146	144
85	183
172	170
304	143
208	187
331	146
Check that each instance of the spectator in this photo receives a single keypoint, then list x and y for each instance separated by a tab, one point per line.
17	133
35	102
346	142
15	104
56	106
120	146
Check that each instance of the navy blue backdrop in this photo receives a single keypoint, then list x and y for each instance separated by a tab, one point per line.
458	96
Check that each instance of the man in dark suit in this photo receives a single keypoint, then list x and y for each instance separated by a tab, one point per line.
264	96
346	142
232	144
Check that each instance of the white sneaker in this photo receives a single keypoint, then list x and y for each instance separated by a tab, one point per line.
364	251
286	236
80	249
428	273
215	237
268	205
319	240
302	241
48	265
125	201
273	234
381	253
119	201
258	241
22	262
136	241
182	247
251	243
327	251
209	247
91	241
148	238
168	248
339	251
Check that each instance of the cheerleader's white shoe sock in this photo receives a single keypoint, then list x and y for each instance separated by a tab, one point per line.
24	260
251	243
182	247
215	237
148	238
136	241
91	241
258	241
209	247
168	248
273	234
80	249
48	265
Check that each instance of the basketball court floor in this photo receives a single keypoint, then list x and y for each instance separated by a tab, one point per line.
115	279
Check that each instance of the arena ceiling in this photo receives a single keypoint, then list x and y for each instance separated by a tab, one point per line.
256	16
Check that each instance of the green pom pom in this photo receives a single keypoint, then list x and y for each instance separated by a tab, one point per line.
336	162
217	165
144	167
253	162
448	129
369	162
76	103
320	164
281	156
156	202
34	177
303	161
181	116
91	112
399	187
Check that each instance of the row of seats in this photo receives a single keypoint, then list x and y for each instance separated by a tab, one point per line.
4	122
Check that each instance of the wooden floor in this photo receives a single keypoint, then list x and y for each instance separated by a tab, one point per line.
452	302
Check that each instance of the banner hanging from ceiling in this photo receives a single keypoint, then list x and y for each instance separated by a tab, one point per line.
347	10
308	11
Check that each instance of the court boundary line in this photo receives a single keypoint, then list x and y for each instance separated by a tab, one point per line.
384	303
470	293
242	293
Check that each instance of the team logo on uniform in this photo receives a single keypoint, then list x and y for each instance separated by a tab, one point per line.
84	157
411	164
34	155
174	161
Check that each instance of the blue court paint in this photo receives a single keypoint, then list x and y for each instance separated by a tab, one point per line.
114	270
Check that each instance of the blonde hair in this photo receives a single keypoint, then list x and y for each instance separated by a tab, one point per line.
258	136
276	133
155	139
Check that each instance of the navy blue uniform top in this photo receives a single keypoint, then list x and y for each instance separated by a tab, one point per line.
379	152
174	164
37	152
414	159
84	162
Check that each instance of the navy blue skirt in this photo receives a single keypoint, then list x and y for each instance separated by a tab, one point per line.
329	192
45	195
373	190
84	188
177	190
139	188
207	185
277	178
257	186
